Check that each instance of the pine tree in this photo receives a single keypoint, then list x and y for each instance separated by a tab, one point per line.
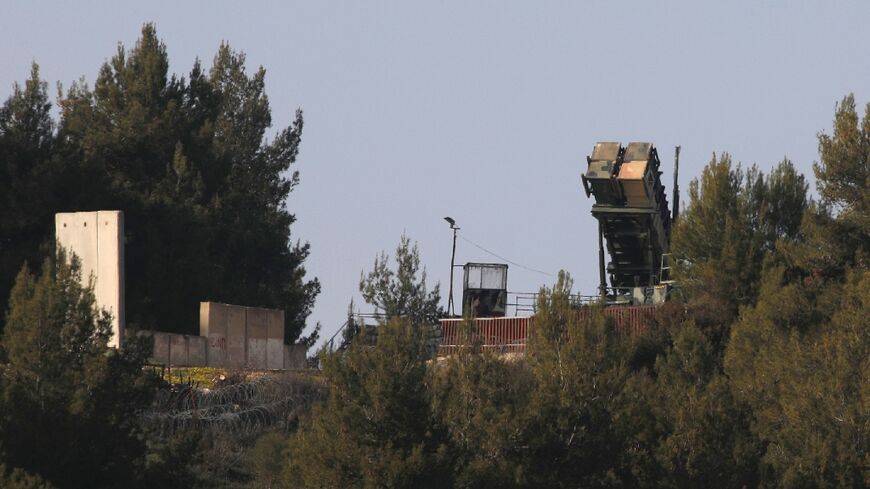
375	429
18	479
69	403
706	437
204	192
735	221
401	292
798	355
29	175
843	172
839	227
581	429
480	399
799	358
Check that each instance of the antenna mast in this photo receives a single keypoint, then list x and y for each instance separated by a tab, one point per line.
676	184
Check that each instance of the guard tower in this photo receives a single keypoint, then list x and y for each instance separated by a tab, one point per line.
632	212
484	290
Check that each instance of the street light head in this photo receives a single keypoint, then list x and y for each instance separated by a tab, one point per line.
450	309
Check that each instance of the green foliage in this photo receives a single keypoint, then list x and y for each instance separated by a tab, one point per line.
186	159
18	479
29	176
838	231
400	292
707	441
843	173
62	385
735	220
480	399
267	459
582	428
759	380
805	375
375	429
798	356
176	463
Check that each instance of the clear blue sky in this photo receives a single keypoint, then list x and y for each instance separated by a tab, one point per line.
484	111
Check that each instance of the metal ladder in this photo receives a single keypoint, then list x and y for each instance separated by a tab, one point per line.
665	265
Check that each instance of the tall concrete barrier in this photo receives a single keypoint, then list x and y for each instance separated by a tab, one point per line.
213	319
230	336
245	337
97	239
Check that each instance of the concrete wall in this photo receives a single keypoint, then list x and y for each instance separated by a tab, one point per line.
294	356
178	350
275	339
97	238
243	337
231	336
161	347
196	348
236	338
213	326
257	329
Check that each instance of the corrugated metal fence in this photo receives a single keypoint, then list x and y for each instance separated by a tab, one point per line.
505	335
509	334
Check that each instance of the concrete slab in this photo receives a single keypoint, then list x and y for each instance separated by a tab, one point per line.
77	232
161	347
97	239
177	350
275	339
235	339
274	324
274	354
294	356
213	327
109	287
257	335
196	351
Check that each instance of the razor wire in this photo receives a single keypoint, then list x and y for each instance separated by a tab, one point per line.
243	409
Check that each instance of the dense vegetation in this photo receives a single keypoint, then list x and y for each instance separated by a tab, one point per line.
187	160
757	374
68	404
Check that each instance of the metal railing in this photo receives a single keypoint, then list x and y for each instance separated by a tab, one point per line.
357	320
525	303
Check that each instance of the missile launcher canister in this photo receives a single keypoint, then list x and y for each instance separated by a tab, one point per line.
599	177
632	211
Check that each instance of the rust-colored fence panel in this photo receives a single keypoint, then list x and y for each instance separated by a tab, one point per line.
632	319
504	335
509	334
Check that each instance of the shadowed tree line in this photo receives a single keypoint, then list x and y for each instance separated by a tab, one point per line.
187	159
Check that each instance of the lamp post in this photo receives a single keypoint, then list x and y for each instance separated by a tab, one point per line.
450	309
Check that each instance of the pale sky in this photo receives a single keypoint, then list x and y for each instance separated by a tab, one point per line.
484	111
